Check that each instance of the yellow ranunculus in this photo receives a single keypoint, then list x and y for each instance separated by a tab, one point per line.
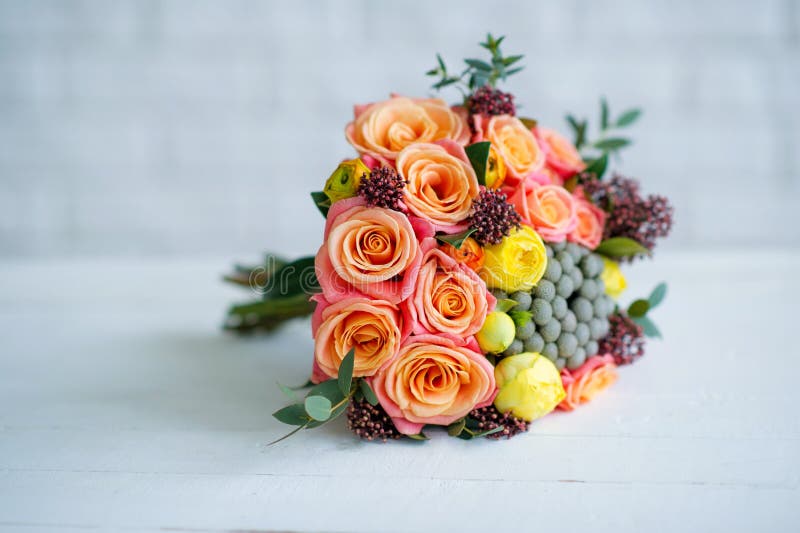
530	385
517	263
344	181
612	278
497	332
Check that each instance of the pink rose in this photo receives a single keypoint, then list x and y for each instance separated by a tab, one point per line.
449	298
587	381
383	129
370	250
433	380
591	219
549	209
515	143
561	155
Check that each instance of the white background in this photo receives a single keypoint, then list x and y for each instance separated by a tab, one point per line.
144	127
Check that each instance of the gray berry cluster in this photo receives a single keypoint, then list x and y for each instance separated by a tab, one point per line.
569	308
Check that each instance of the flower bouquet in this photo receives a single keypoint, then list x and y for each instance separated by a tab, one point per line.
469	269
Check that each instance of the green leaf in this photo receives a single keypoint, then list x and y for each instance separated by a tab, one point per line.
345	377
418	436
528	122
498	429
441	62
597	166
628	117
294	415
648	326
603	114
455	429
513	71
638	308
276	441
520	318
579	129
504	305
288	392
658	294
369	394
456	240
322	202
510	60
478	155
318	408
329	389
478	64
611	144
616	247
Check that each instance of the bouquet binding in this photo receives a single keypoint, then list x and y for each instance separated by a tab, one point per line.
470	271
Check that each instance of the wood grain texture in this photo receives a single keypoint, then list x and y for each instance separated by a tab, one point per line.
124	407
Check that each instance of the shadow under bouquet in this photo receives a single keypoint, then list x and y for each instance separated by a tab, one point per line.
470	266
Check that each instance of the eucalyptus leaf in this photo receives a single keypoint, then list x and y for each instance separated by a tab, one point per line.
288	392
505	305
369	394
456	240
478	64
597	166
616	247
418	436
658	294
648	326
322	202
603	114
611	144
628	117
478	154
638	308
498	429
318	407
329	389
529	123
294	415
345	376
455	429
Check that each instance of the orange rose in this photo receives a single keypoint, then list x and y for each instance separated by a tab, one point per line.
433	380
440	182
371	327
384	128
470	254
587	381
550	209
589	230
561	155
448	297
516	144
369	249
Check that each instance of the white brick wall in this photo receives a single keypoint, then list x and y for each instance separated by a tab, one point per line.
144	127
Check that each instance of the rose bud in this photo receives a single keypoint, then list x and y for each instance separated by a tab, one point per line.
470	254
497	332
530	386
344	181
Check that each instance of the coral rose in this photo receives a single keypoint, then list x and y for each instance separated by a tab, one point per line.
550	209
514	141
448	298
561	155
589	230
371	250
584	383
384	128
470	253
371	327
440	183
433	380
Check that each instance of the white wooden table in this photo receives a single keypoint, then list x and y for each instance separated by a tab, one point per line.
124	407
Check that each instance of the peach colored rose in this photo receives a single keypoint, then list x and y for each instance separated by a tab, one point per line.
372	327
433	380
384	128
449	298
516	144
549	209
591	219
441	183
587	381
561	155
371	250
470	254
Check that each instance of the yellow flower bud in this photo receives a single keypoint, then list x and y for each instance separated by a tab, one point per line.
344	181
530	385
497	332
517	263
495	170
613	278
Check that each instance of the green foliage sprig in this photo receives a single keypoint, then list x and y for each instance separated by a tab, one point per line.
638	310
477	72
609	141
